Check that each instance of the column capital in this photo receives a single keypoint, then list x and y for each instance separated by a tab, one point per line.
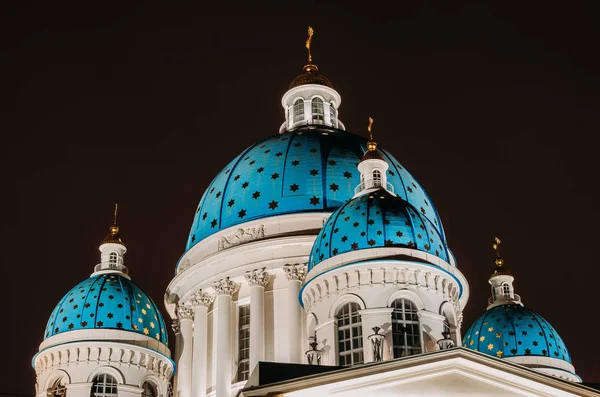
225	286
201	298
257	277
184	312
175	325
295	272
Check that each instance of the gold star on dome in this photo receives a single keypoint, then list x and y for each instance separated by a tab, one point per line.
481	339
140	320
140	295
143	311
499	353
138	301
157	337
471	343
151	324
491	346
148	306
135	327
498	335
490	329
146	331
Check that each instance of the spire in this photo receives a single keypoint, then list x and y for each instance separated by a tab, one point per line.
311	31
113	235
501	281
371	145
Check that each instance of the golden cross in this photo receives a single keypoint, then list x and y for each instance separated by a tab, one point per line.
115	218
496	246
369	128
311	31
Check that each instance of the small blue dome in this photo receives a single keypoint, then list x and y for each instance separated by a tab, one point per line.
512	330
107	301
377	219
305	170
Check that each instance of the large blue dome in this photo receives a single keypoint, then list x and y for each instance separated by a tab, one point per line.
308	169
378	219
512	330
107	301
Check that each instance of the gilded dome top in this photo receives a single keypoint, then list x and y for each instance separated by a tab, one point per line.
310	75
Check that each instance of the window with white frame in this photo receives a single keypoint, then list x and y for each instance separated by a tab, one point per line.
318	111
58	389
104	385
148	390
506	289
112	258
406	329
298	111
376	178
243	343
333	115
350	342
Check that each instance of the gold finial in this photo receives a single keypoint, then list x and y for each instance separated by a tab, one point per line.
311	31
371	145
113	235
496	246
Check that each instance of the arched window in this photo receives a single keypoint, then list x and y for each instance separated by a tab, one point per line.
406	330
350	343
148	390
112	258
505	289
298	111
104	385
318	111
376	178
332	115
58	389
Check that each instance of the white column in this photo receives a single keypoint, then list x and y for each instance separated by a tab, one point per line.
177	352
200	301
224	289
379	317
79	389
432	325
257	279
185	314
295	274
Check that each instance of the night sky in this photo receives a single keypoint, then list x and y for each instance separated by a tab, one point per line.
492	108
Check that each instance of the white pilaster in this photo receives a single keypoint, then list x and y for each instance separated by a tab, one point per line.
379	317
184	366
327	337
257	279
295	274
128	391
224	289
79	389
200	301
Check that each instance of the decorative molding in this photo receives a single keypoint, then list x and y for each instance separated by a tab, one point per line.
225	286
295	272
241	236
257	277
176	326
201	298
109	354
184	312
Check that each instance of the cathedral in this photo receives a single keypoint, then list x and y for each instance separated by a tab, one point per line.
316	264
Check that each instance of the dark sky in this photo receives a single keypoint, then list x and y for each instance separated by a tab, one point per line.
493	109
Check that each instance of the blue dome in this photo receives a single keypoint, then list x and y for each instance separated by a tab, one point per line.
107	301
377	219
305	170
513	330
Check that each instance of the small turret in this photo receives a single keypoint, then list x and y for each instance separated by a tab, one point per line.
373	168
112	251
501	281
